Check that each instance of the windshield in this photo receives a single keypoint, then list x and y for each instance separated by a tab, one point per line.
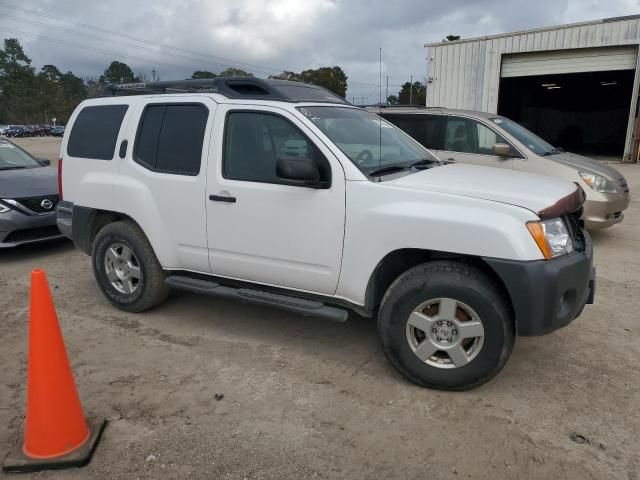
11	158
370	142
527	138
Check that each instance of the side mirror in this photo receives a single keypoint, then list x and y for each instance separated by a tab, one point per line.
502	150
302	170
44	162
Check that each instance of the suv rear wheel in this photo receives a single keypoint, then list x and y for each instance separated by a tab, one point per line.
446	325
126	268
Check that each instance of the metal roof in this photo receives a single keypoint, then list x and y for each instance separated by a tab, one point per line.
534	30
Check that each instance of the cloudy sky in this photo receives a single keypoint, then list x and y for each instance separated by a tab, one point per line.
267	36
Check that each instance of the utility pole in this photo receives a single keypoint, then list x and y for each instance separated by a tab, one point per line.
410	90
153	74
386	98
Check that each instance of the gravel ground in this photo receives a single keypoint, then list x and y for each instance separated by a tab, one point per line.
308	399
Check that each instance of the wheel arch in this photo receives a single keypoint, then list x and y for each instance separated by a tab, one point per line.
397	262
87	222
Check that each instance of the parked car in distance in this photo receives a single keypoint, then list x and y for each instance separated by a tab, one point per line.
283	194
3	128
28	197
480	138
57	131
31	131
40	130
15	131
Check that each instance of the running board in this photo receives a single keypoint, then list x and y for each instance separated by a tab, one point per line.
302	306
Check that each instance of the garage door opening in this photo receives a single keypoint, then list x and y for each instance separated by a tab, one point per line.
585	112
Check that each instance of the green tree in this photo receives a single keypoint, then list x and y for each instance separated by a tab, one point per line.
417	96
393	100
118	72
18	88
203	74
234	72
331	78
287	75
29	98
50	73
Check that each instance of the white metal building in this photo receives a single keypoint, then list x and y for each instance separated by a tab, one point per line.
575	85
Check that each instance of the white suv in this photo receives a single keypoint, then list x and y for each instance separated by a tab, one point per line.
285	195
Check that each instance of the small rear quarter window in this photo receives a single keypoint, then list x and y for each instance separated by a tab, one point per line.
95	132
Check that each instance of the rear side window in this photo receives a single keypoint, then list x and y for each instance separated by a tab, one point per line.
428	130
170	138
465	135
95	132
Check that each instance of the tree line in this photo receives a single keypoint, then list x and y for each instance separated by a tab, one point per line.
28	97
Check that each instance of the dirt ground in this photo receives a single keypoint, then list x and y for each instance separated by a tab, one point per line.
304	398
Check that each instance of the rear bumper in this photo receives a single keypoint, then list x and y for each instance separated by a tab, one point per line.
17	228
64	212
76	223
547	295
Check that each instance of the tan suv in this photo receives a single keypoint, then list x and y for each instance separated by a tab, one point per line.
488	139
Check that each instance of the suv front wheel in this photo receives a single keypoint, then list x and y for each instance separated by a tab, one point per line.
446	325
126	268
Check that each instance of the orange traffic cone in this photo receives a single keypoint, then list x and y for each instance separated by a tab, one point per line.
56	434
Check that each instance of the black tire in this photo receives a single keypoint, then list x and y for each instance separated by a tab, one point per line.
461	282
150	289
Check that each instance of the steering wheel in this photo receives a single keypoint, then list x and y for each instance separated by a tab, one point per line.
365	156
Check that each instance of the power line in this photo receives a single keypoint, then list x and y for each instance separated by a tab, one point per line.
100	50
225	61
200	57
112	41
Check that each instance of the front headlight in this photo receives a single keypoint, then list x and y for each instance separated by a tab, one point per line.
598	182
4	208
552	237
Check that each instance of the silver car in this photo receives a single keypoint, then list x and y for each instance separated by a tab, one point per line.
488	139
28	197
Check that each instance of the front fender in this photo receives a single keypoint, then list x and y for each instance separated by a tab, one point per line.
383	219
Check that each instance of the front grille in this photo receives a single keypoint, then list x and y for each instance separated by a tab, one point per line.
575	224
32	234
35	203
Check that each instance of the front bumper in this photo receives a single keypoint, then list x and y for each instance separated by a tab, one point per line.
548	294
605	211
17	228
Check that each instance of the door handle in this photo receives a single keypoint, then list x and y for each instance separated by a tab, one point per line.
222	198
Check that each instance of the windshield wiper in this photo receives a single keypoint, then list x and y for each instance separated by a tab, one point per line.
553	151
389	169
423	161
398	168
17	167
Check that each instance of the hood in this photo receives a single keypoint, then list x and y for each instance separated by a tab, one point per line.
586	163
28	182
528	190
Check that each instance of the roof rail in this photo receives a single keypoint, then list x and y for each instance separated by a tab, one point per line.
232	87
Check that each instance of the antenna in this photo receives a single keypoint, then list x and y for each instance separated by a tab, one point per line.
380	118
380	83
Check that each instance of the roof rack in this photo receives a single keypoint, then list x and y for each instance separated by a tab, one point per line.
232	87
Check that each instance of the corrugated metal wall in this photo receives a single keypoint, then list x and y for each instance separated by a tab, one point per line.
466	74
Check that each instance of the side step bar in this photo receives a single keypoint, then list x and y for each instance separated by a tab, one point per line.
308	308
